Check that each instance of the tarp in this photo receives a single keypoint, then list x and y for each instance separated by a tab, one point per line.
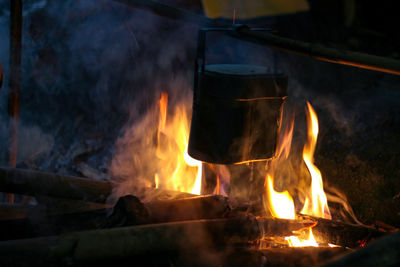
250	9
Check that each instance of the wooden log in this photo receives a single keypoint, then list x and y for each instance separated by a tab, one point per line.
382	252
134	241
342	234
315	51
149	194
330	231
198	207
130	211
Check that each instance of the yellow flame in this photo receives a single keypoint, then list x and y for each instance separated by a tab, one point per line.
294	241
180	172
156	180
281	204
318	206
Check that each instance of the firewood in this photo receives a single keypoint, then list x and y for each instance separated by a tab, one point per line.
382	252
128	211
135	241
198	207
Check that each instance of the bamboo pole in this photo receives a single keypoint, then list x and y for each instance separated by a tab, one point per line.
135	241
15	82
35	183
322	53
315	51
28	182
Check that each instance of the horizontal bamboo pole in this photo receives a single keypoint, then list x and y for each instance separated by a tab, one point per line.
135	241
35	183
323	53
28	182
315	51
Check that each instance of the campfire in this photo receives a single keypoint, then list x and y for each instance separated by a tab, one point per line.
169	213
221	175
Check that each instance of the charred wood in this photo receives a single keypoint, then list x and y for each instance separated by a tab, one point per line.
343	234
127	211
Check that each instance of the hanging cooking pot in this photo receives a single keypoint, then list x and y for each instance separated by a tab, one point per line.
237	111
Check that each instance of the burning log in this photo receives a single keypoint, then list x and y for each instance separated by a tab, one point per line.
315	51
136	241
343	234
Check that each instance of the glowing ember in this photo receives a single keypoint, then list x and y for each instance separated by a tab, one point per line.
180	172
281	204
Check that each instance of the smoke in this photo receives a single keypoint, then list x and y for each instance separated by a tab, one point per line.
90	67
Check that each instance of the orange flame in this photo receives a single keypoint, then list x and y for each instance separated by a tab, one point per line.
180	172
318	206
281	204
